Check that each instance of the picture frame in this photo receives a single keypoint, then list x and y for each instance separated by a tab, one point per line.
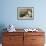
25	13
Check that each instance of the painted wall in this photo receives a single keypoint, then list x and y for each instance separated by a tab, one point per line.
8	13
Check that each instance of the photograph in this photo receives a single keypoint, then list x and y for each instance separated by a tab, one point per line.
25	13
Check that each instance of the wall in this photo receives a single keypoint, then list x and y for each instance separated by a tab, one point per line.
8	13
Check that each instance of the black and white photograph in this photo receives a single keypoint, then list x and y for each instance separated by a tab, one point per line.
25	13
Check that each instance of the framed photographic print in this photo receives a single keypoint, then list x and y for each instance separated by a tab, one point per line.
25	13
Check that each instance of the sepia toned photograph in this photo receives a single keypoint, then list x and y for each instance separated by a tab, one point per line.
25	13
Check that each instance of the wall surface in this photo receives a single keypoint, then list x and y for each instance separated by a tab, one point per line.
9	13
